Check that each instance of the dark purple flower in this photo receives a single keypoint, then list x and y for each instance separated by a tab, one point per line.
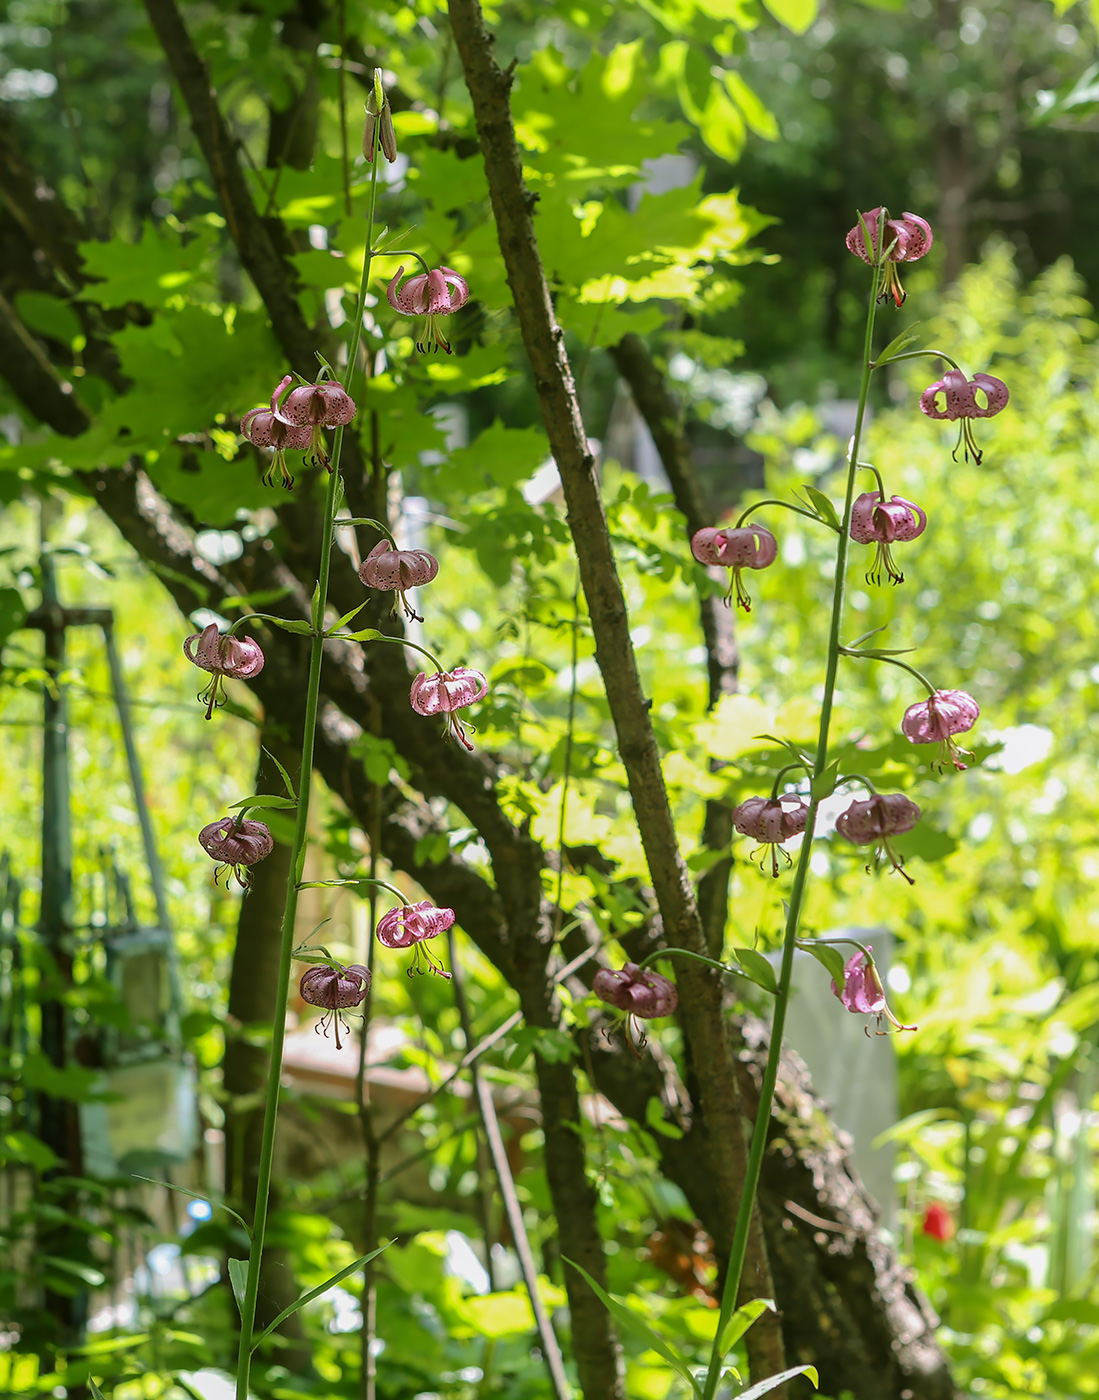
409	925
237	842
959	397
903	240
873	820
937	719
736	548
431	295
770	821
445	692
334	988
391	569
238	657
640	994
864	994
874	521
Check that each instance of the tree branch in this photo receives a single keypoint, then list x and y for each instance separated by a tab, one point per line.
700	989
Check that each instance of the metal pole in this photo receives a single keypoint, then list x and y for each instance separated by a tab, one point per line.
137	781
59	1123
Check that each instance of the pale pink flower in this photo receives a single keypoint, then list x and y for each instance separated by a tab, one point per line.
959	401
873	820
903	240
263	429
325	404
334	988
237	842
445	692
410	925
937	719
736	548
770	821
388	568
874	521
439	292
864	994
238	657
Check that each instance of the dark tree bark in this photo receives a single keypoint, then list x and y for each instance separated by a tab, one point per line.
699	987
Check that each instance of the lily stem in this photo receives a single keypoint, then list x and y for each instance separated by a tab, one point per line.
333	493
758	1143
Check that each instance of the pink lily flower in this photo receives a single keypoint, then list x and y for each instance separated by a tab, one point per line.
874	521
937	719
325	404
409	925
640	994
904	239
431	295
746	547
863	993
445	692
960	402
334	988
237	842
391	569
873	820
238	657
770	821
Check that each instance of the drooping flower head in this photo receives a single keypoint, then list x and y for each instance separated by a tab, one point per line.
392	569
736	548
937	1223
263	429
639	993
873	820
874	521
238	657
445	692
237	842
770	821
409	925
937	719
315	407
863	993
440	292
960	401
899	240
334	988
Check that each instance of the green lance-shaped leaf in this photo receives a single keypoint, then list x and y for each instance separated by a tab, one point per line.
773	1382
283	774
316	609
314	1292
825	785
198	1196
346	618
896	345
264	800
293	624
368	634
742	1319
94	1390
831	959
629	1320
238	1277
824	508
757	969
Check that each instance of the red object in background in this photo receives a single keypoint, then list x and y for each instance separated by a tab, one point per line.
938	1222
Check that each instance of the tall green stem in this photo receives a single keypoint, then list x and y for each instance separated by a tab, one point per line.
332	500
801	874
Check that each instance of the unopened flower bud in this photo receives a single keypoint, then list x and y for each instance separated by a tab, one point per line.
378	130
